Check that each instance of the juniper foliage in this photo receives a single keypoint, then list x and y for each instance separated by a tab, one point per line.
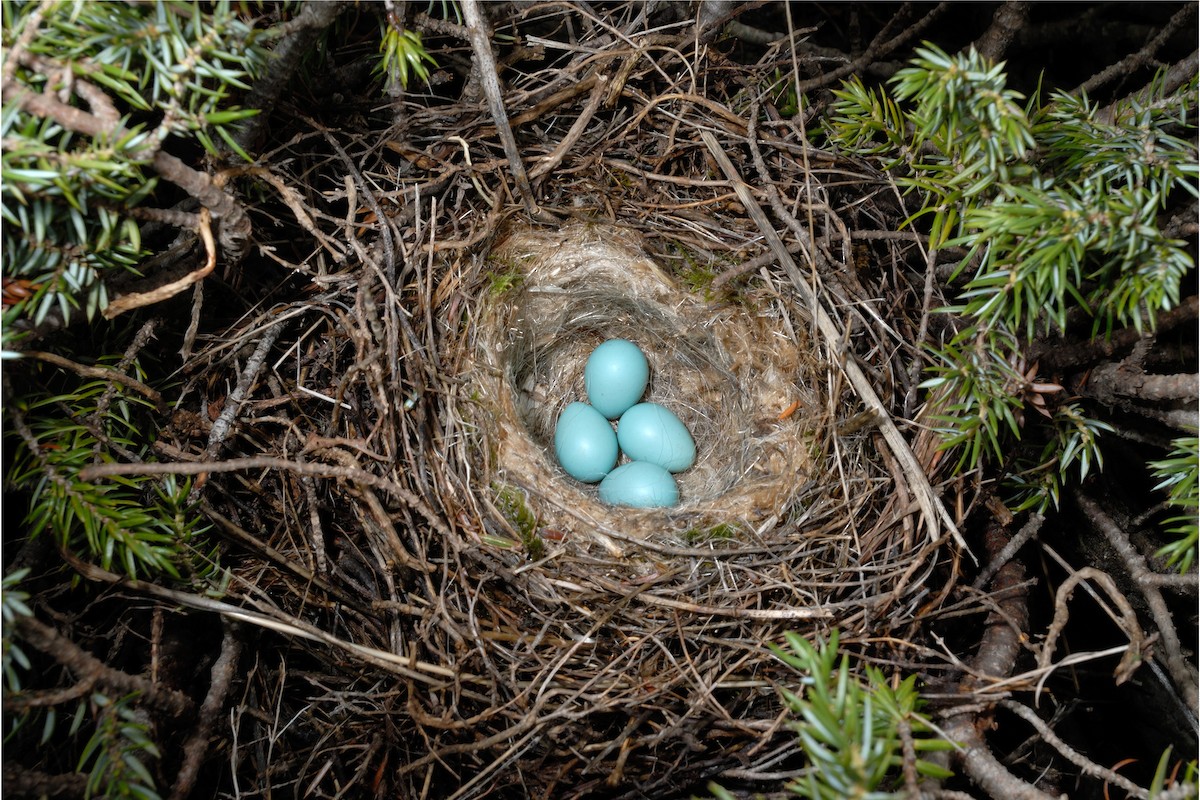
1057	204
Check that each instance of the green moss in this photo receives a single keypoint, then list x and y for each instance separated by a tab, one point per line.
720	532
506	277
512	504
698	278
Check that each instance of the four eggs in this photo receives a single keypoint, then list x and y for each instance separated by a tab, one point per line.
656	442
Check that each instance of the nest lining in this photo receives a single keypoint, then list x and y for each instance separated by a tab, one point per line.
740	377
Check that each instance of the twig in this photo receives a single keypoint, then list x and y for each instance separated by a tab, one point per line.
716	611
316	532
196	747
1142	57
998	650
292	565
235	229
1027	532
388	530
1180	791
409	667
132	300
20	781
1054	355
927	499
1089	767
485	63
1008	20
1127	622
100	373
876	50
95	471
1110	382
803	235
299	36
193	328
1182	673
550	162
750	265
1178	74
91	670
914	372
33	22
233	402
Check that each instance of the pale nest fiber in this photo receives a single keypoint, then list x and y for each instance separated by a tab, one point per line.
740	376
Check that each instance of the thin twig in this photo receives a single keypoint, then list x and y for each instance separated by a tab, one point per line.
91	473
196	747
930	503
100	373
485	63
1127	621
91	670
1027	532
1183	674
551	161
433	674
1140	58
1089	767
233	402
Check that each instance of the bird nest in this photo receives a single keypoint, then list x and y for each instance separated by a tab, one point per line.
462	618
629	644
534	639
741	376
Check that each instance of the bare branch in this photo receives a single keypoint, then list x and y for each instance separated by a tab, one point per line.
87	667
488	76
1182	672
1007	22
197	744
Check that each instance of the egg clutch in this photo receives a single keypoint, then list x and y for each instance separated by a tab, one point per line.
656	442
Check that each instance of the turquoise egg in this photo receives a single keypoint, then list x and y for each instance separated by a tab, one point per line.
585	443
639	484
649	432
615	377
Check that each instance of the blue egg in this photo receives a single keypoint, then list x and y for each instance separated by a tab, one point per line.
649	432
585	443
615	377
639	484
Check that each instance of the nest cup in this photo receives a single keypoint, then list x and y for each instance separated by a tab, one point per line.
740	376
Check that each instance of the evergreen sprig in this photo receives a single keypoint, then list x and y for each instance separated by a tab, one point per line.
1179	474
403	55
851	732
1056	204
13	607
91	93
114	757
138	526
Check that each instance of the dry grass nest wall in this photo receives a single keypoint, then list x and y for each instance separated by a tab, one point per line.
522	624
459	617
518	636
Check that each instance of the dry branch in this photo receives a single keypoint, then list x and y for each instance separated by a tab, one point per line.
1183	673
485	64
196	747
94	672
998	650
